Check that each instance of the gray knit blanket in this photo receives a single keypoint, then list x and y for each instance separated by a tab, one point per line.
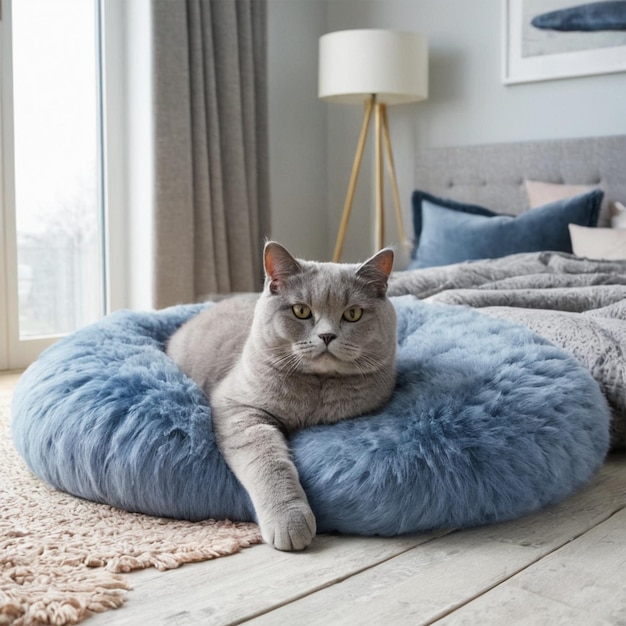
577	304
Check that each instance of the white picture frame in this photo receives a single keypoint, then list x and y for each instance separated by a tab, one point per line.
531	54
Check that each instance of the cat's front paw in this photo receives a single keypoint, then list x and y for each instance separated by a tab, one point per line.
293	528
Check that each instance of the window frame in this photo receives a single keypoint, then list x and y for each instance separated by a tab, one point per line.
16	353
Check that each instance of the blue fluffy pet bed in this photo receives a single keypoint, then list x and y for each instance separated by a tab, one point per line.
488	422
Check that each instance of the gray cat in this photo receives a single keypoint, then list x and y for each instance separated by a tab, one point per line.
317	346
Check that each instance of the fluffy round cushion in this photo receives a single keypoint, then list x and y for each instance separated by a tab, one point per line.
488	422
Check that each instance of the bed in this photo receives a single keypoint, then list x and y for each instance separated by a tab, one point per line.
567	295
493	175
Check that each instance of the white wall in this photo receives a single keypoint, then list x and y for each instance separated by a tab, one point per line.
468	104
297	121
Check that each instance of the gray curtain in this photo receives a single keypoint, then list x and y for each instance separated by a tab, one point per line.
211	147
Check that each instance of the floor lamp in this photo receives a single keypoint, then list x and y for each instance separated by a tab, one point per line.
376	68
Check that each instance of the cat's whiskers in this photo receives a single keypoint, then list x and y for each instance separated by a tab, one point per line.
284	360
292	364
371	360
362	361
307	349
366	362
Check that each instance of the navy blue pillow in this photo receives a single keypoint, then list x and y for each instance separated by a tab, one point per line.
451	232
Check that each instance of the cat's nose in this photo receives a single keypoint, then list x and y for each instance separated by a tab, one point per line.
327	337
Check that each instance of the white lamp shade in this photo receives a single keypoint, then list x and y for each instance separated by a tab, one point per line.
354	64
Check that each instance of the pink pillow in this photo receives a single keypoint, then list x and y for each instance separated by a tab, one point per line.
540	193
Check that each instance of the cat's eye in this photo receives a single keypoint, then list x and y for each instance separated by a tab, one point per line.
301	311
353	314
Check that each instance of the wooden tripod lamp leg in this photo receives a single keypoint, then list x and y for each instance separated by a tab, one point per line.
356	165
394	180
380	206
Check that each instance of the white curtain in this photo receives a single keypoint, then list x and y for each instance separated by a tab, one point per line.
211	147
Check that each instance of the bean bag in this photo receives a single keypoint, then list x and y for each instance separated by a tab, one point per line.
488	422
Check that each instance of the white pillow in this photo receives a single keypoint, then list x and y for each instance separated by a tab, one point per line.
598	243
618	217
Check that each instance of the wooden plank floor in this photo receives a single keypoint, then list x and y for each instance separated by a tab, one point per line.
563	565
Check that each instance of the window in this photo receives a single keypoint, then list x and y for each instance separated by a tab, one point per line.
52	198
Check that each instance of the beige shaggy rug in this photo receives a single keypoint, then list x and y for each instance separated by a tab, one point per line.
61	557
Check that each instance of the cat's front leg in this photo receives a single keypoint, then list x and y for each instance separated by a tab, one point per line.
257	453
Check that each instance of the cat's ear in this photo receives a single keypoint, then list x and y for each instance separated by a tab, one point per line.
376	271
279	265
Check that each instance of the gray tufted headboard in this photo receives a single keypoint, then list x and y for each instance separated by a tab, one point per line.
493	175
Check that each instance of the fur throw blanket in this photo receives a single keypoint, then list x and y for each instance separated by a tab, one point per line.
578	304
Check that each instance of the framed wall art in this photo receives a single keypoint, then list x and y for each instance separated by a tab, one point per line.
547	39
